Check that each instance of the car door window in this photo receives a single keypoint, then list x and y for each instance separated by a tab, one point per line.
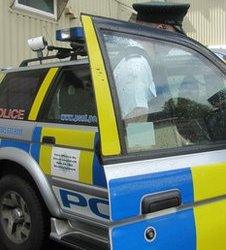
169	96
71	100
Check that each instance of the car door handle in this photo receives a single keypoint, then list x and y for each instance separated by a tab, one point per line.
158	202
48	140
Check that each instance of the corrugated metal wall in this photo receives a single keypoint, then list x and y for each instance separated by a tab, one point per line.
206	22
18	26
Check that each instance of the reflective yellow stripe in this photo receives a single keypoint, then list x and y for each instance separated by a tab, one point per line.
41	94
209	181
86	167
107	123
72	138
210	218
45	159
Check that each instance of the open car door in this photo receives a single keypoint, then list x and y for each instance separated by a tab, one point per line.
165	163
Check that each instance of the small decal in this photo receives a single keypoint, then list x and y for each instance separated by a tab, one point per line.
65	163
10	131
15	114
78	118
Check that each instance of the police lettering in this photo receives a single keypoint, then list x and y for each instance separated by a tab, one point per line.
15	114
70	198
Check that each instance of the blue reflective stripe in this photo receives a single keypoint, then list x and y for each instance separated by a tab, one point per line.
173	232
15	143
37	134
99	178
126	193
35	147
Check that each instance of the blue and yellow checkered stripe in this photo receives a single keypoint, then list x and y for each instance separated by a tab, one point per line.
199	225
90	170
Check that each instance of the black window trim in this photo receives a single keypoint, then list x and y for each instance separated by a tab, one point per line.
164	153
120	27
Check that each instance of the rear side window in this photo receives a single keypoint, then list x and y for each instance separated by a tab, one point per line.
17	93
71	100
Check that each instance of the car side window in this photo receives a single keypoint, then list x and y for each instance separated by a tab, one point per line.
71	100
18	91
169	96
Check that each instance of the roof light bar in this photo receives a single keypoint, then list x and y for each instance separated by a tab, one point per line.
74	34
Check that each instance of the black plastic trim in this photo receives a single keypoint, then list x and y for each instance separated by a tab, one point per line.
163	153
161	201
49	140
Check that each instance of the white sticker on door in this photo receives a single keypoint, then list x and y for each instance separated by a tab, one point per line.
65	163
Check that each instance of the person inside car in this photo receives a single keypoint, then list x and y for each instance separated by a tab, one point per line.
134	75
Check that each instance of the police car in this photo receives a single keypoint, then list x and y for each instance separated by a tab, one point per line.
96	167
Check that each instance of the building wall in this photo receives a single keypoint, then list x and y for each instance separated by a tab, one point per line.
206	22
18	26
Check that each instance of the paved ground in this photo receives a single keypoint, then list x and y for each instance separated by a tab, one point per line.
53	246
57	246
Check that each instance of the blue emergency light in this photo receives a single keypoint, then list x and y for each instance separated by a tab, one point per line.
74	34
